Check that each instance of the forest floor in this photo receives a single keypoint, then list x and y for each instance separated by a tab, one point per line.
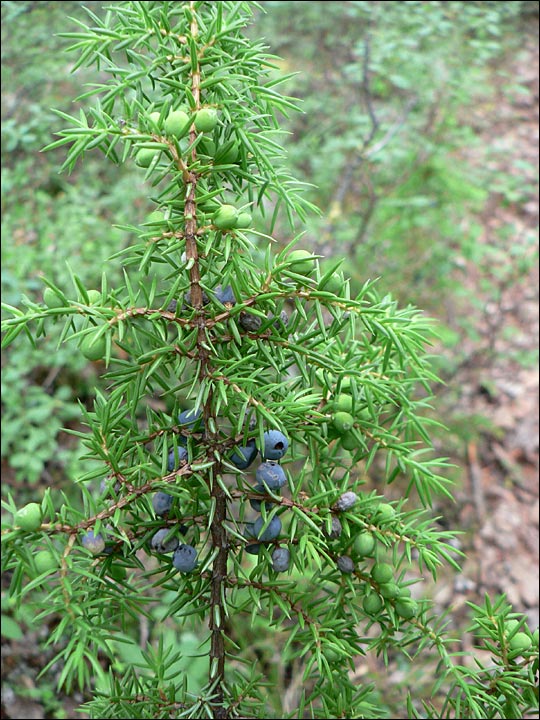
501	502
498	504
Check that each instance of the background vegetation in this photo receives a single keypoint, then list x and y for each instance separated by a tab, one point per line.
389	92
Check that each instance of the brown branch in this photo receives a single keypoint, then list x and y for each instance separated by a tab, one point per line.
217	527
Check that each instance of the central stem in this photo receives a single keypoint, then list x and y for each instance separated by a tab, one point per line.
217	528
190	211
217	601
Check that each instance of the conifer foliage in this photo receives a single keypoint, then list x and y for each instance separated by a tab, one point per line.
250	401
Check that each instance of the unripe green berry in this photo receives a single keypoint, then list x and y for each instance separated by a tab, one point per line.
325	378
226	217
406	608
154	118
118	572
389	590
94	296
243	220
343	403
342	421
302	262
145	156
51	299
155	217
382	573
520	642
28	517
334	284
364	544
349	441
206	147
206	120
331	654
92	348
228	153
385	512
45	561
372	604
176	123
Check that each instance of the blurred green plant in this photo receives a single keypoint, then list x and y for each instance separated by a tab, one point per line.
49	224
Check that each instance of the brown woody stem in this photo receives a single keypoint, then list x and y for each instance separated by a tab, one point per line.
217	528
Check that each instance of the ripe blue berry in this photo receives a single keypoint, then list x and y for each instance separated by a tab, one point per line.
162	503
255	503
271	474
111	543
346	501
345	564
335	530
253	549
185	558
242	457
249	321
172	463
189	418
282	321
94	543
161	543
275	445
281	559
225	295
271	532
106	487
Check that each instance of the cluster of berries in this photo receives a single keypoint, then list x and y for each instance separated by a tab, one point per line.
270	478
